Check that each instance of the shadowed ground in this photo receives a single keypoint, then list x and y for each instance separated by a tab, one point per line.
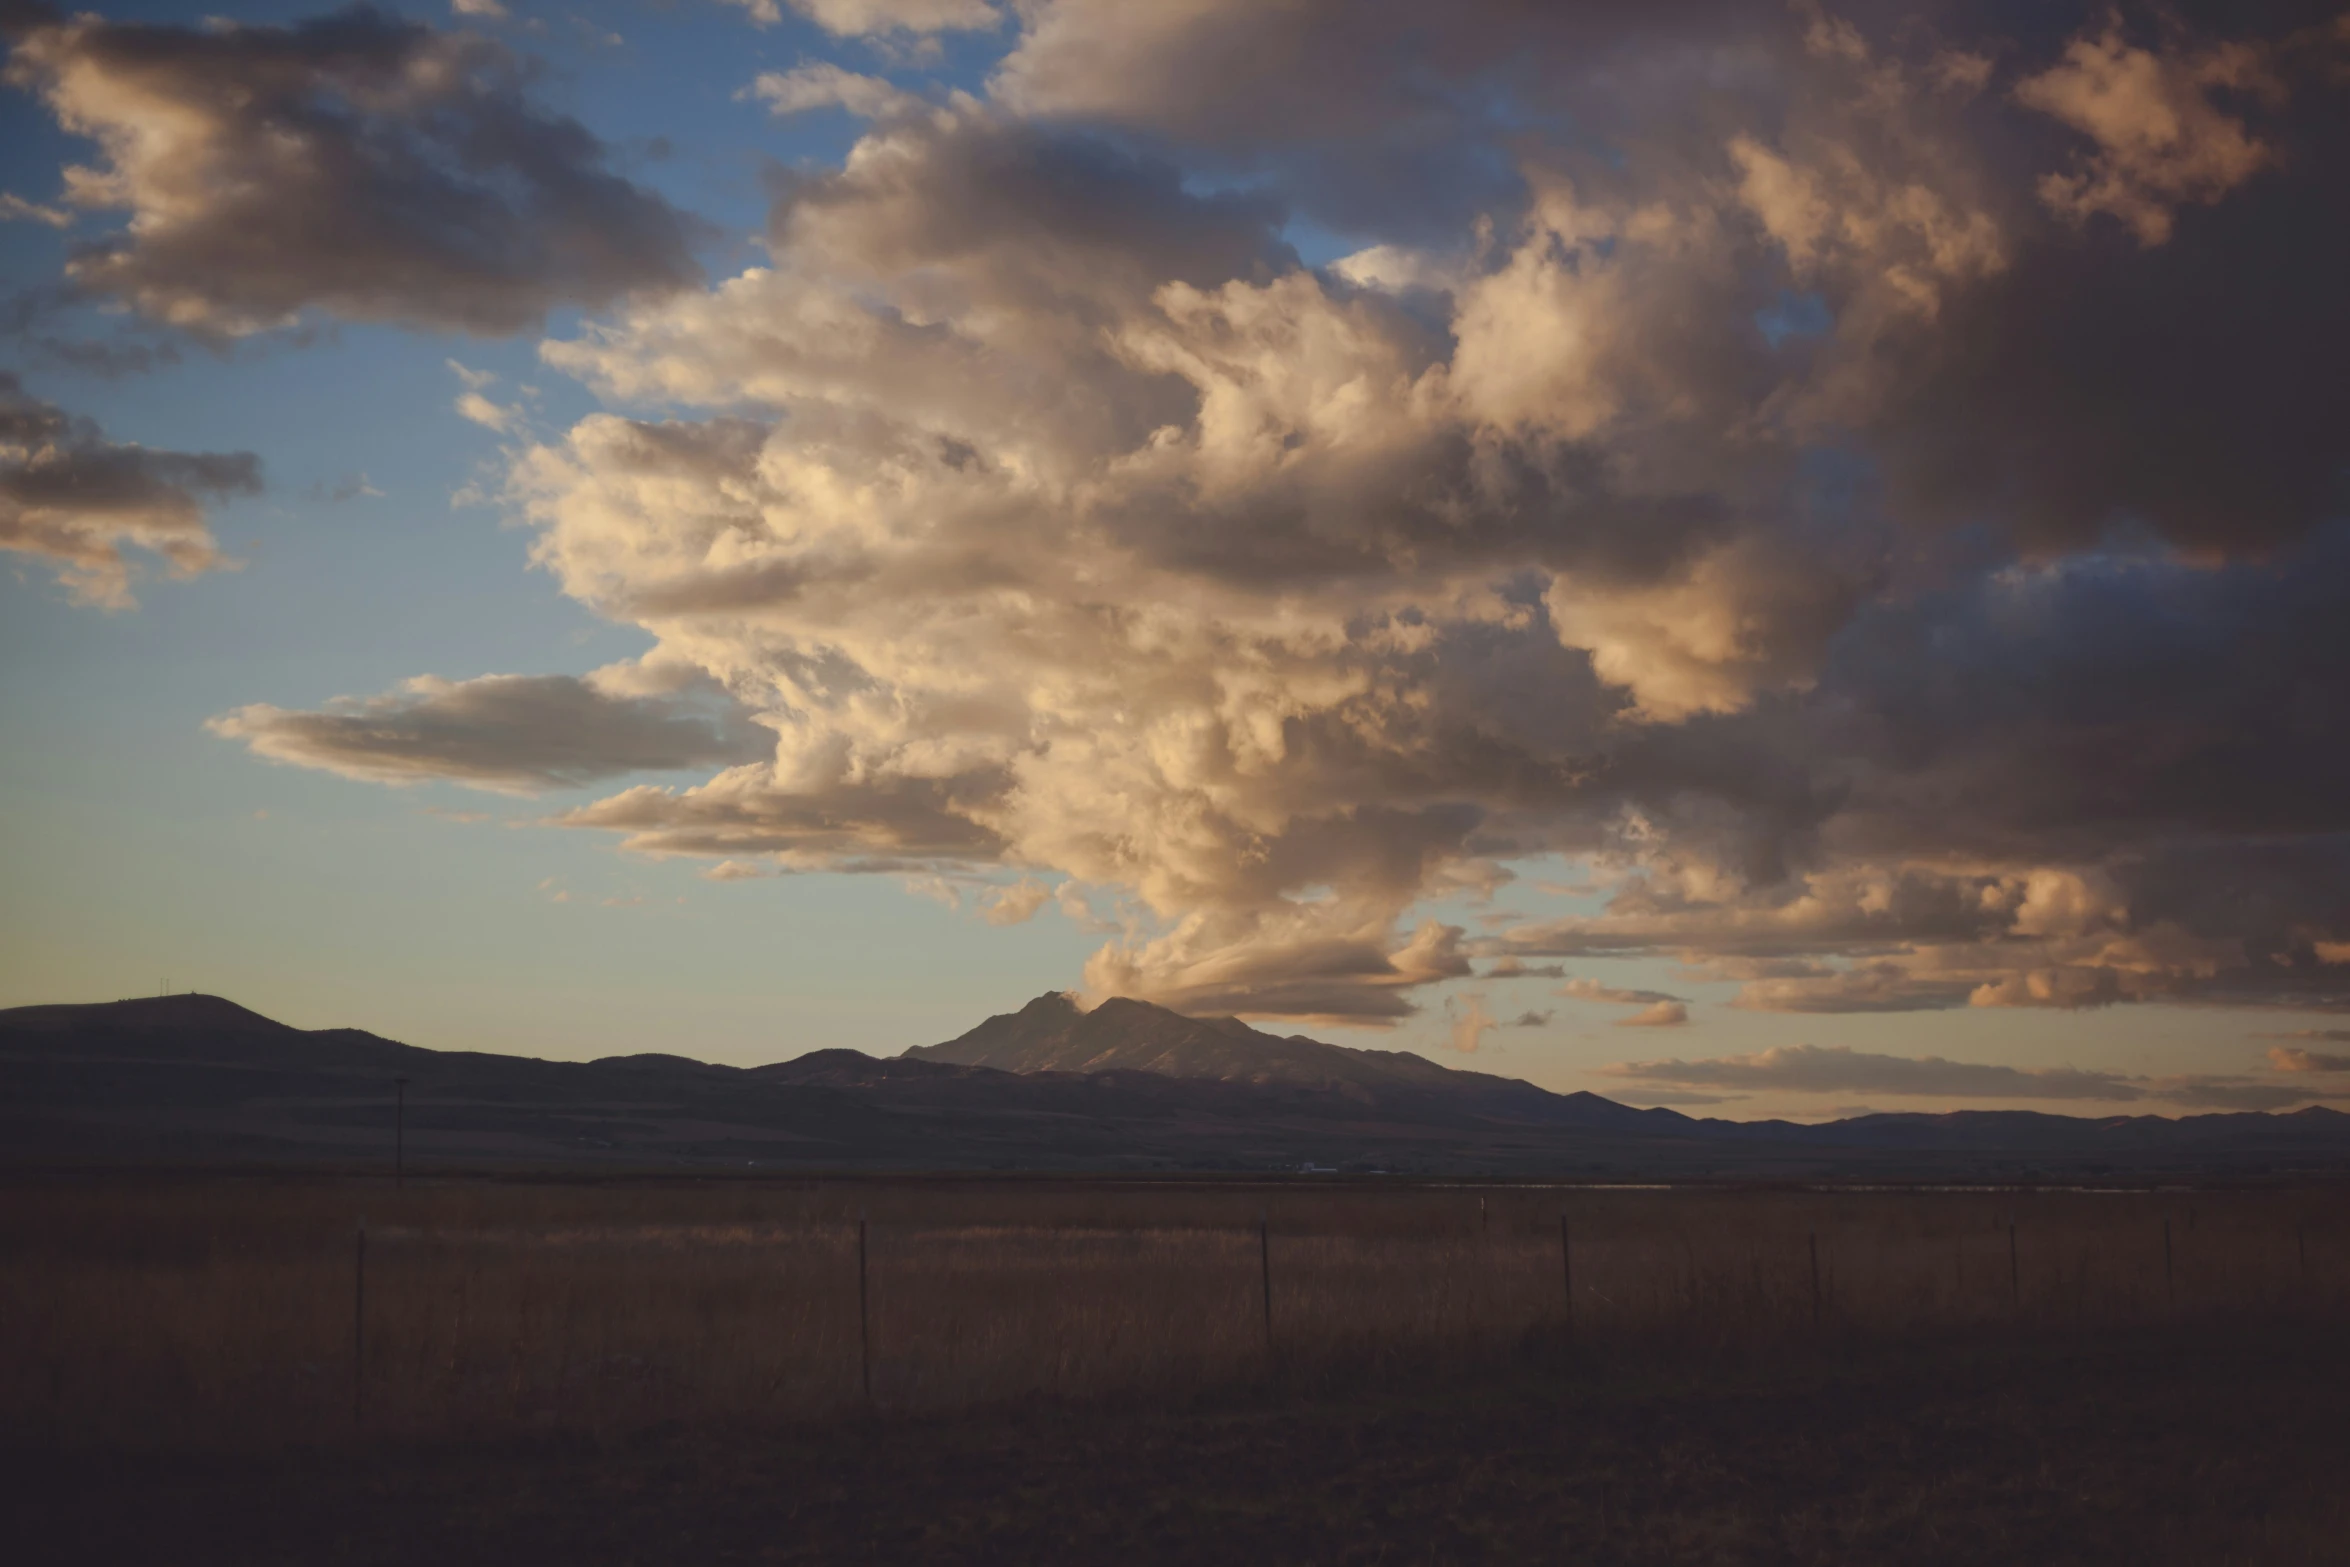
2144	1448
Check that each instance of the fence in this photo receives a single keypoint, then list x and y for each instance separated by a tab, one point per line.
259	1315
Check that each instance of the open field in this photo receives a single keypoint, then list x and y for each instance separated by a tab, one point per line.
2158	1447
218	1314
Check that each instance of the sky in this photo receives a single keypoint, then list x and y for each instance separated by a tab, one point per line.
1773	561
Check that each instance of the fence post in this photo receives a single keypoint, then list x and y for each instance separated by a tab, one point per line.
1567	1267
2015	1276
359	1329
864	1317
1815	1278
1265	1273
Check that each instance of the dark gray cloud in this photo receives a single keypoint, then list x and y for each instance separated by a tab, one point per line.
512	733
356	164
2048	405
75	499
2122	760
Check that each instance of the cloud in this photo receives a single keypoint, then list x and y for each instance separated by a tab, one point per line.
480	410
2287	1059
354	164
1612	995
887	826
866	18
1018	903
1467	1023
1530	1020
72	498
820	84
515	734
2161	142
1657	1014
1815	1069
1719	466
15	209
1512	968
1821	1069
2202	1092
350	487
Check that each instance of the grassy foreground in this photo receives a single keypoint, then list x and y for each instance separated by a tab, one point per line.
221	1316
2151	1446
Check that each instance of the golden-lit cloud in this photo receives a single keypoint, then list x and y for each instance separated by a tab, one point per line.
2161	139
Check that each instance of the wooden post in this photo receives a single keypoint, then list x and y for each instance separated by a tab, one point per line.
1484	1223
864	1316
1265	1274
2015	1276
1815	1278
1567	1267
359	1329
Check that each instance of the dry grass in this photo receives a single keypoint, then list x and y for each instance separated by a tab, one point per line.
220	1314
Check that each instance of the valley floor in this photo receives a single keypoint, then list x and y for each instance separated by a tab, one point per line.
2151	1447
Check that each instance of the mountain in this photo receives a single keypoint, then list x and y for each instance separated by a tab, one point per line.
1052	1034
1125	1087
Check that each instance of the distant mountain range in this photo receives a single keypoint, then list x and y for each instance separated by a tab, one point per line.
1126	1086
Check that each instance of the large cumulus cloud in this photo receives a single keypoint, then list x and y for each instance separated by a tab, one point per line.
1858	485
356	164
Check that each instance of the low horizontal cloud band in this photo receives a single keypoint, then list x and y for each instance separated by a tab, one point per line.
1820	1069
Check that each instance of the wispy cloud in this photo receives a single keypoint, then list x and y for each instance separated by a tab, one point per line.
2288	1059
1825	1069
1818	1069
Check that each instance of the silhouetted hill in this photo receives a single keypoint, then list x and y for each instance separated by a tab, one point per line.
1127	1086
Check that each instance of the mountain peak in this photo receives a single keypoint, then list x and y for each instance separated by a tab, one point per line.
1124	1034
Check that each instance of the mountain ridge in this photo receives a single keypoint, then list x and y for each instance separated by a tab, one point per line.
1127	1086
